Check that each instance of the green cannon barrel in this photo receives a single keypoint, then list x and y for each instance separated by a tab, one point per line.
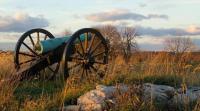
51	44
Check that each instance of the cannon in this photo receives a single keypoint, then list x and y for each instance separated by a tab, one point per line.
81	53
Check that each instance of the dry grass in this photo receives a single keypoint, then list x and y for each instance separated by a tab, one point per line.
6	64
158	68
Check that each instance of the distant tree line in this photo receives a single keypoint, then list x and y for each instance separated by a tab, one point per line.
122	41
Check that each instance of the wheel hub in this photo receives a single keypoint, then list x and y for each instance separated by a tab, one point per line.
88	61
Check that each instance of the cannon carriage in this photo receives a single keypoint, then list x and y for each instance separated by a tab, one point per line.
82	53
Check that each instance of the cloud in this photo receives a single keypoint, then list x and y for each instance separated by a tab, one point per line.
151	47
150	40
11	37
21	22
142	5
121	14
193	29
190	31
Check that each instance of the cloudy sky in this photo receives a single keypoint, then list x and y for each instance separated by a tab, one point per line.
154	20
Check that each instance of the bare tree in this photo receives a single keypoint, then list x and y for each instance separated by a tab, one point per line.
111	33
122	40
179	45
129	45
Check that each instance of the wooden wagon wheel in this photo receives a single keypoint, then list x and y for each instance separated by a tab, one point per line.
85	55
25	53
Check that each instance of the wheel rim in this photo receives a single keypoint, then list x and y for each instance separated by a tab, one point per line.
84	59
25	53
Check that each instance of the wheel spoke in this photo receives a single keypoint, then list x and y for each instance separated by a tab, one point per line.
45	38
79	53
28	61
86	42
81	44
89	69
98	62
31	40
100	53
95	47
91	43
86	73
76	59
38	36
93	68
93	74
25	54
29	49
74	66
51	69
82	72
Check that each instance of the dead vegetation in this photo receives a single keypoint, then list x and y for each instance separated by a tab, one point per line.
127	65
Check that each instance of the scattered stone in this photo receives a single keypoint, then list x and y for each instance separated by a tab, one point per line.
162	95
72	108
159	94
181	99
97	99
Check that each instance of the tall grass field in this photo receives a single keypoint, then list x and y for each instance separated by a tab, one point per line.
143	67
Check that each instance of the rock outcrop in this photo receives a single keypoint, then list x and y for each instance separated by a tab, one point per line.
162	95
181	98
97	99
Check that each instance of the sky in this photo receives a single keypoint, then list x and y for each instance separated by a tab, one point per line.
154	20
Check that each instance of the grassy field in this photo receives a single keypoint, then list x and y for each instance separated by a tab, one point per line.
158	68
